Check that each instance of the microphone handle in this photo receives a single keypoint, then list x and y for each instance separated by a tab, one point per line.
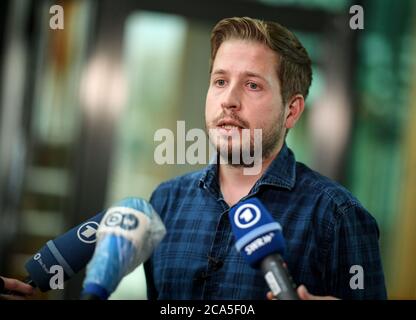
278	278
90	296
29	280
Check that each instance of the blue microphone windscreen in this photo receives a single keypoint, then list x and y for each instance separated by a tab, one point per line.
108	266
71	251
126	236
257	233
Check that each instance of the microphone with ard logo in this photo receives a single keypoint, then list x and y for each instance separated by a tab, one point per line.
126	238
70	251
260	240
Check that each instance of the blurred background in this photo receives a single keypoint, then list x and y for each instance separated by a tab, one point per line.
79	108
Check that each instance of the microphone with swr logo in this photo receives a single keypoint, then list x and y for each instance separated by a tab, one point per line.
260	240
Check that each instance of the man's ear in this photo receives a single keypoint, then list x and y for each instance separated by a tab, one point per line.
294	110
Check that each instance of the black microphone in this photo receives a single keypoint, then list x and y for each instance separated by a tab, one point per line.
260	240
214	263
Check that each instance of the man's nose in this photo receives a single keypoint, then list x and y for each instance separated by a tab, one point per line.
231	99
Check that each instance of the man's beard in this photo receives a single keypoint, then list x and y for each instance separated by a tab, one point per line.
270	138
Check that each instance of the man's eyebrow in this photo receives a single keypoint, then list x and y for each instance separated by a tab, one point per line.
219	71
255	75
246	73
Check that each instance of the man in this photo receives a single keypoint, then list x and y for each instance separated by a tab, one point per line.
260	77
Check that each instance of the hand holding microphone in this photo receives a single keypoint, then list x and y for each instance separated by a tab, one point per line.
260	240
11	289
126	238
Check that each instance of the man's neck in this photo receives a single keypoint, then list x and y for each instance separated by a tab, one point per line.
235	183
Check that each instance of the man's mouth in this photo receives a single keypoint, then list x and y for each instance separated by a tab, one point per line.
229	125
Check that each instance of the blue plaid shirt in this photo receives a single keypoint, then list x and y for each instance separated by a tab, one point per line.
327	232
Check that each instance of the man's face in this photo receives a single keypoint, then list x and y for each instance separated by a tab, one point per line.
244	93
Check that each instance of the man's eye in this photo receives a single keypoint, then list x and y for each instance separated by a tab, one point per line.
220	82
253	86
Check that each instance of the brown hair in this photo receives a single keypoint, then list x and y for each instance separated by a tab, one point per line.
294	65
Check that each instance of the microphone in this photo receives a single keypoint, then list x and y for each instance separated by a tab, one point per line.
71	251
260	240
126	238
